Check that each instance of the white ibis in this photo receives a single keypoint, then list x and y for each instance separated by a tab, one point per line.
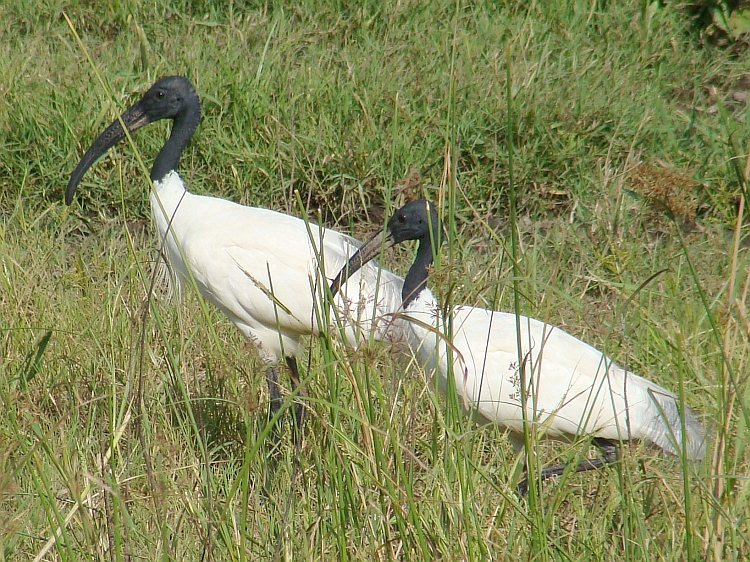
265	270
573	390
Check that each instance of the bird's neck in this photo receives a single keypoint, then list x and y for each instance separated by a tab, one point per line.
165	198
416	279
168	158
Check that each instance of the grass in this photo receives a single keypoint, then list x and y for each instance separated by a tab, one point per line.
336	103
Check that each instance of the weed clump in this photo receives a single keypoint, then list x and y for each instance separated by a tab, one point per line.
665	189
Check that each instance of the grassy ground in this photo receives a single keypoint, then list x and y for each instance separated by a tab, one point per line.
617	113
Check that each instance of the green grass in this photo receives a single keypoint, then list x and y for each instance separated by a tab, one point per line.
335	103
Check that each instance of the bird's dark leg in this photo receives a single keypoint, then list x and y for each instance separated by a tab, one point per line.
299	407
277	400
274	392
609	455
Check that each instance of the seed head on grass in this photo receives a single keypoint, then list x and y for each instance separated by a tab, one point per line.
666	189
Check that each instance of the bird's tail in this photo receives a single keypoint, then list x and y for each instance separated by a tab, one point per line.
667	427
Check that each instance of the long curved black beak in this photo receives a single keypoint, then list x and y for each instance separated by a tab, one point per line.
134	118
380	240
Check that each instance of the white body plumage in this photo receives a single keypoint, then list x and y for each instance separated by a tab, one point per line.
263	270
572	389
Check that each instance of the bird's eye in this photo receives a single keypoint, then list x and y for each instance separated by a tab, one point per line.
402	218
160	94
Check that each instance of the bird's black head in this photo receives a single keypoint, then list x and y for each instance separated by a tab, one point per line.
415	221
172	97
168	98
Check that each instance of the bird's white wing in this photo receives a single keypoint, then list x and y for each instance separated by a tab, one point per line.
265	272
571	388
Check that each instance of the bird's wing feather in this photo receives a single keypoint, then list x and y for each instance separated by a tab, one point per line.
262	269
572	388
